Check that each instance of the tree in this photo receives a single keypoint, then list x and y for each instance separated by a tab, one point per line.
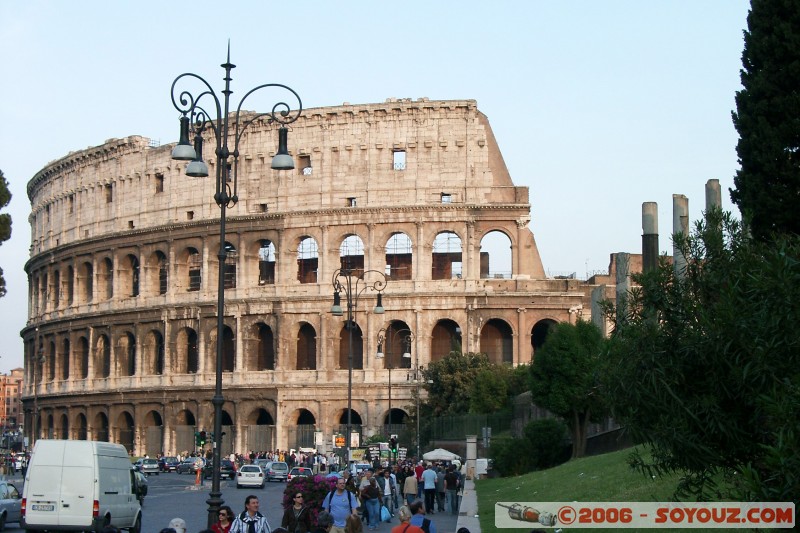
5	224
565	378
451	381
705	367
768	119
496	386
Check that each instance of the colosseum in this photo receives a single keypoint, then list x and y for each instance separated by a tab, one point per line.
120	342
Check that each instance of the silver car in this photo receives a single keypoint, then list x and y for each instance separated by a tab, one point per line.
147	466
10	499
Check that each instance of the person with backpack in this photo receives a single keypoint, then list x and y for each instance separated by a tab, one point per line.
340	503
405	527
418	519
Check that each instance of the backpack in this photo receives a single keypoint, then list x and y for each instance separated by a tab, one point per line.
426	525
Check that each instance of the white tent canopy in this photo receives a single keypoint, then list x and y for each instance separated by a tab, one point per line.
440	454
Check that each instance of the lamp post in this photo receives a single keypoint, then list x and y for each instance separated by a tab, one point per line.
389	337
353	283
416	376
195	120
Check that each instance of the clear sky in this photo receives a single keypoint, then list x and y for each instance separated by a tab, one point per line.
597	106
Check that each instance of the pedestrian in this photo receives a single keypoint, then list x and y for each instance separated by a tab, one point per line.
297	518
371	496
388	489
324	522
451	485
178	524
410	486
340	503
404	514
250	520
440	489
429	486
418	517
224	520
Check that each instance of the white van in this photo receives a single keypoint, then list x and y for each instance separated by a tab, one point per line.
79	485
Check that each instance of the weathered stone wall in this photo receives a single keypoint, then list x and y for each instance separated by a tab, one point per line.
125	330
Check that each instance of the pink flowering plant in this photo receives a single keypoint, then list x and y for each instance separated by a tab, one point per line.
314	490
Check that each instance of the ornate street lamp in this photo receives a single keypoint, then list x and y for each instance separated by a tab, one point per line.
388	337
353	283
195	120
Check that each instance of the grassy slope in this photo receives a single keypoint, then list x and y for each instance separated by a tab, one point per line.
600	478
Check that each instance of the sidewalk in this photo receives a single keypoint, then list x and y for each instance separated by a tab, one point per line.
468	511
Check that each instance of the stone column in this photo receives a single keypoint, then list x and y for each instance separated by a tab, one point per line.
472	455
649	236
680	224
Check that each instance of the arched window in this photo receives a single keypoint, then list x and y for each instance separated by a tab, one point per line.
306	348
86	282
266	263
307	260
228	349
65	356
496	256
153	353
231	258
157	273
497	341
351	255
195	269
266	348
102	357
445	338
126	354
399	255
51	361
82	370
446	257
107	278
344	347
69	285
56	289
186	360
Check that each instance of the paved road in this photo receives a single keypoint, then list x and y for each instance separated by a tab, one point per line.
173	495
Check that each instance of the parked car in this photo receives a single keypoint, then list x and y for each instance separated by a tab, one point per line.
276	470
147	466
226	469
299	471
250	476
140	485
10	499
190	465
168	464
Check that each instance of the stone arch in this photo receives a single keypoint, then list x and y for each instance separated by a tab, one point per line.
447	256
301	435
306	347
231	260
397	341
63	427
50	426
497	341
394	418
184	428
351	255
399	257
356	422
82	358
69	285
496	255
101	427
445	338
126	430
153	433
263	358
307	260
190	269
66	354
129	276
106	278
158	273
51	360
153	353
228	349
344	346
266	262
81	427
539	333
260	430
102	357
56	289
186	354
126	354
85	282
